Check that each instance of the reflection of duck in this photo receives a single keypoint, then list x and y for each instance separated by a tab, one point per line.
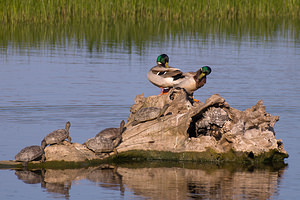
194	80
162	75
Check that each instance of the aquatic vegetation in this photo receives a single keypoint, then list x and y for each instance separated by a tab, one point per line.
66	11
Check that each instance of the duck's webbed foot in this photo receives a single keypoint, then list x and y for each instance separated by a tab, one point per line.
164	90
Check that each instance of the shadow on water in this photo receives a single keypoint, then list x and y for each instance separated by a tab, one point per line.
165	180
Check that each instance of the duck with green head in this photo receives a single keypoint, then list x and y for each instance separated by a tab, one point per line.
192	81
162	75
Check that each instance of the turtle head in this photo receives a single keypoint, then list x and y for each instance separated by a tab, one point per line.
43	144
204	71
122	128
163	60
68	124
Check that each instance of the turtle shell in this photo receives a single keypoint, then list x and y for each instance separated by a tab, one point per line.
100	144
29	153
109	133
56	136
146	114
112	133
213	115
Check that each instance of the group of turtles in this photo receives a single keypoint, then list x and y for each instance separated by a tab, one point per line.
104	142
161	75
36	152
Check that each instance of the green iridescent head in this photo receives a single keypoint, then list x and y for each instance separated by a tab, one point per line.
206	70
163	60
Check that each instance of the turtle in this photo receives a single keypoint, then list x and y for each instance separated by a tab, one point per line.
100	144
148	114
213	119
57	136
106	140
112	133
30	153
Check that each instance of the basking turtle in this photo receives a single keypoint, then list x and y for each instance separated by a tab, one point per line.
30	153
211	123
100	144
148	114
57	136
107	140
112	133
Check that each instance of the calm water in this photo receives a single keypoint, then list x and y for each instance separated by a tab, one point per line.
43	86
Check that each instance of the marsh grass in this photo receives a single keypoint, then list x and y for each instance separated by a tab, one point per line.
69	11
133	24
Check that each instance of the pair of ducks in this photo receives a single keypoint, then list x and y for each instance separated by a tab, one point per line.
166	77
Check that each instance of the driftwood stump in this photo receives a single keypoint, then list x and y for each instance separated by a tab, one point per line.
189	126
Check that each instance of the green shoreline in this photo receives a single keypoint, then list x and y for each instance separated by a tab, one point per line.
66	11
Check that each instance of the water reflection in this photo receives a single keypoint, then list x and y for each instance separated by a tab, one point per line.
129	36
165	181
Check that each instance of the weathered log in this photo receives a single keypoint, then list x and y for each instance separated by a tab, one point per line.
249	131
188	130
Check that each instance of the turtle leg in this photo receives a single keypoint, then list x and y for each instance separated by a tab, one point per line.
43	157
43	144
134	123
69	139
117	141
116	152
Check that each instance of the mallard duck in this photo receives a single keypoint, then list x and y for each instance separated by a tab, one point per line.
164	76
194	80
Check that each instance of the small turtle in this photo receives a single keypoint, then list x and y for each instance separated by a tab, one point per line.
107	140
30	153
211	123
112	133
100	144
57	136
149	113
213	115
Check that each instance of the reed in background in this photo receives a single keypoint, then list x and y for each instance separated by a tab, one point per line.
68	11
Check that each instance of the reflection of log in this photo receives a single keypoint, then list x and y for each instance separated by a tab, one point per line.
157	180
209	183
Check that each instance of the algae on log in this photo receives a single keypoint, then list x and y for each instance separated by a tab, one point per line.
196	128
